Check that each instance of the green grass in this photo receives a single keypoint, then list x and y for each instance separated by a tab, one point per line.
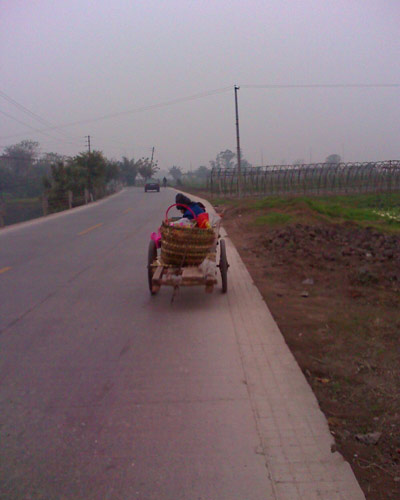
362	211
273	219
378	210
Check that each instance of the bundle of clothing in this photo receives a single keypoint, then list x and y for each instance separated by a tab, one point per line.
193	212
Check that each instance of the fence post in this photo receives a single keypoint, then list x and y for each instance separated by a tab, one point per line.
70	199
86	195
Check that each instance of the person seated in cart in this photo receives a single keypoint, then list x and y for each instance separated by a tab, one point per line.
195	206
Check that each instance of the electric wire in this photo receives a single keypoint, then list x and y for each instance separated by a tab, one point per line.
138	110
186	99
43	121
321	86
32	128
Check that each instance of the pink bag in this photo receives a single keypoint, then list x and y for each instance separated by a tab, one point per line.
156	237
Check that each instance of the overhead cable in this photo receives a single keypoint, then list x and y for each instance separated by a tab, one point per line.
322	86
33	128
43	121
140	109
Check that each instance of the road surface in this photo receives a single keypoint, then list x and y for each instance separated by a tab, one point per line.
109	393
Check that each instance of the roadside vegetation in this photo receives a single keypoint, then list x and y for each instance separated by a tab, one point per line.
33	183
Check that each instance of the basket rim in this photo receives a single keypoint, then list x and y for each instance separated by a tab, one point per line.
194	228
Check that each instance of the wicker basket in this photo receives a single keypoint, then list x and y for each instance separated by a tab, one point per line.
184	246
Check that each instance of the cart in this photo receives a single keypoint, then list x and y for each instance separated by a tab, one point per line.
185	266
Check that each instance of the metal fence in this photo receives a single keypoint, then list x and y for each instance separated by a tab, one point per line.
311	179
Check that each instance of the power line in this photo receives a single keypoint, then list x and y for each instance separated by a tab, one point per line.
200	96
324	86
150	107
32	114
137	110
32	128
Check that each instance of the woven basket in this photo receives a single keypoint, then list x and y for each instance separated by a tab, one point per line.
184	246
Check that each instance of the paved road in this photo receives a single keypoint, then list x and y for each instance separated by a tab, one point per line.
109	393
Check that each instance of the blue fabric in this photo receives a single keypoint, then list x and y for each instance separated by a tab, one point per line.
196	209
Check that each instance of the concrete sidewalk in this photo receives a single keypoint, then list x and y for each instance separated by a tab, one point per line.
294	434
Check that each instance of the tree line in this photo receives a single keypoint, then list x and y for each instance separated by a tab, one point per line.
26	173
198	176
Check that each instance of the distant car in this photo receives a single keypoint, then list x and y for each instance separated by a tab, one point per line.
152	186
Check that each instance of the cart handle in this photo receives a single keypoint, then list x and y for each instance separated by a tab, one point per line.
179	205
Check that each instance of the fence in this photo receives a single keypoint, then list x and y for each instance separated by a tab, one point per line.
312	179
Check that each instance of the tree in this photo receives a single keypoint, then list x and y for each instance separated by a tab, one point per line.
146	168
49	159
20	156
91	171
59	185
22	172
113	171
129	171
202	172
6	179
243	162
175	173
94	165
333	159
64	177
226	158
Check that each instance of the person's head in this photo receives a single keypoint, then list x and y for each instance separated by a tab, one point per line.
181	199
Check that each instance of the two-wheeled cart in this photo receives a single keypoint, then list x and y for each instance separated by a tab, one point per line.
188	256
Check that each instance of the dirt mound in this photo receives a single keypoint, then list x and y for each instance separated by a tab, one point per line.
369	256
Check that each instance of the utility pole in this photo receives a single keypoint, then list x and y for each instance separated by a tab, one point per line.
151	162
238	144
89	170
88	141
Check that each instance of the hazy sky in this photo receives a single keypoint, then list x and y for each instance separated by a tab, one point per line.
72	61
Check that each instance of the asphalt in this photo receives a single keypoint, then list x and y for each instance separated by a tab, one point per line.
109	393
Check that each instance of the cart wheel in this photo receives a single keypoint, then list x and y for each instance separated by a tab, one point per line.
152	256
223	266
